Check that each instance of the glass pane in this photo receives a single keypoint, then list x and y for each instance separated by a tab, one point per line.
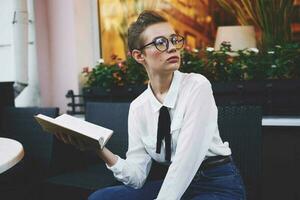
196	20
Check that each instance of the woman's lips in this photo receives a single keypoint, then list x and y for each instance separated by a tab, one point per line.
173	59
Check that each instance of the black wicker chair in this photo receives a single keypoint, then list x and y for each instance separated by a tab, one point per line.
241	127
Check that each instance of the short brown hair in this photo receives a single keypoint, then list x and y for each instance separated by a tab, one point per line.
145	19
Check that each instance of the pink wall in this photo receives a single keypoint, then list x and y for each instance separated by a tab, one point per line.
62	50
43	56
64	45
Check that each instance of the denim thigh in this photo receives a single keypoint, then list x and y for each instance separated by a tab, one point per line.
122	192
219	183
222	182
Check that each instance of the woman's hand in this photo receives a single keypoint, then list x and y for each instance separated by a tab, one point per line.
81	143
78	142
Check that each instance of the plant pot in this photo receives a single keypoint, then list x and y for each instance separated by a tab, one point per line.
240	37
277	97
114	94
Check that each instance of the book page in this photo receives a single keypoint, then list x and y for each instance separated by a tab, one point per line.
83	127
47	123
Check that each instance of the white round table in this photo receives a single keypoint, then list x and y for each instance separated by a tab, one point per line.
11	152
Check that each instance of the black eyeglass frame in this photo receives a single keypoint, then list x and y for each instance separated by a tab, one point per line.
167	45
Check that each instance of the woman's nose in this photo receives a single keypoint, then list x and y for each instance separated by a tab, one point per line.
171	48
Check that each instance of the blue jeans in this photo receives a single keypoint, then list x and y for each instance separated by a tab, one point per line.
222	182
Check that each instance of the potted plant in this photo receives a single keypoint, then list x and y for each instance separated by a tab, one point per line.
269	78
250	76
118	81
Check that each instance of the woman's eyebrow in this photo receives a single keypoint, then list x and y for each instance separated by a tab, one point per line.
165	36
173	34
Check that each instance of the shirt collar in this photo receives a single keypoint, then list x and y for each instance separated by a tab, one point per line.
172	94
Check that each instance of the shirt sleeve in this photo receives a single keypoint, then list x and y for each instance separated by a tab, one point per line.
133	170
198	128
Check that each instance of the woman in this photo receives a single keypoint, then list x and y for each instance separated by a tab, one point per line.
173	122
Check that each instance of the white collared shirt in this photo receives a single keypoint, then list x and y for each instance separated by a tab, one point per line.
194	131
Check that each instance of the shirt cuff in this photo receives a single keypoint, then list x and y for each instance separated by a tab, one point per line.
118	166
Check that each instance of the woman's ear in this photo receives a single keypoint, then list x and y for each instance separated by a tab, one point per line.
138	56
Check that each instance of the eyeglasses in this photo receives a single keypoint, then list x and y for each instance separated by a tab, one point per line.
162	43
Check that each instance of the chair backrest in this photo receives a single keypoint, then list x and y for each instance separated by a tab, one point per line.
113	116
19	124
241	127
6	94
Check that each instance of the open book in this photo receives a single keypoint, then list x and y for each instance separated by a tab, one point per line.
94	135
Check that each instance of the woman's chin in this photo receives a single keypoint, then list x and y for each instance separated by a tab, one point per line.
168	68
173	66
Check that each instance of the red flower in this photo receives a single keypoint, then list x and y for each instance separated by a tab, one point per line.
120	64
113	56
187	48
85	70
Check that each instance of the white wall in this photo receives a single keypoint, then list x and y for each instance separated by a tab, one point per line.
26	72
7	72
65	44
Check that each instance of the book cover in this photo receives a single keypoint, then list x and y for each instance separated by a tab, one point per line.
95	135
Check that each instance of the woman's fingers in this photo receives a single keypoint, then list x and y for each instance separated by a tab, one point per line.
88	144
78	142
62	137
71	140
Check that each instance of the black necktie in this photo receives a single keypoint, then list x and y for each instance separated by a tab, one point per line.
164	132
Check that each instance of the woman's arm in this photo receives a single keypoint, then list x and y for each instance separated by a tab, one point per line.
107	156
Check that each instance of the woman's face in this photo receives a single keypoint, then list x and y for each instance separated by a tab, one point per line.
157	61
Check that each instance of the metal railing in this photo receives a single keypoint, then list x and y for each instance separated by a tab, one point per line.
77	103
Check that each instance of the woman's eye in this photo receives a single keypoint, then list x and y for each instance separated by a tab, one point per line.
160	41
175	40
